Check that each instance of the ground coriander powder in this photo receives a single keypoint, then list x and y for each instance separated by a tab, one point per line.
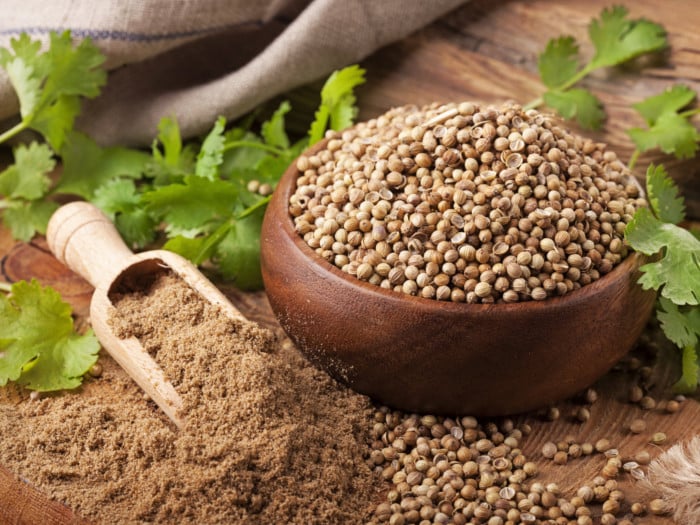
268	438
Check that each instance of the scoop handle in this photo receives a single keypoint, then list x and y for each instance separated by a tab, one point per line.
85	240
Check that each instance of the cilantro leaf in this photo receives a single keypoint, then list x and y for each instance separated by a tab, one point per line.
671	133
49	85
680	325
558	63
668	130
690	377
87	166
27	177
337	102
671	100
192	205
197	249
121	202
663	195
23	77
211	155
38	345
578	103
174	161
273	131
238	253
243	159
27	218
618	39
677	271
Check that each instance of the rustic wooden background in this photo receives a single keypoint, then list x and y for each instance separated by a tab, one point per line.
486	51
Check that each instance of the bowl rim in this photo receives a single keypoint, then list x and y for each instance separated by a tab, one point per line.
628	266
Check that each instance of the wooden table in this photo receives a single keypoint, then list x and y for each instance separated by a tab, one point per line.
485	50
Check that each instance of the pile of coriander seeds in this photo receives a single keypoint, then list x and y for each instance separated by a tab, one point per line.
465	203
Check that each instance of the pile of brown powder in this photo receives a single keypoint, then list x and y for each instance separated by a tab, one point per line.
268	438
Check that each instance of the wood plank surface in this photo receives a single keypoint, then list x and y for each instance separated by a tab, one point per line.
486	51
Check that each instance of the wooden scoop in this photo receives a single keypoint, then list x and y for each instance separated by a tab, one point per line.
84	239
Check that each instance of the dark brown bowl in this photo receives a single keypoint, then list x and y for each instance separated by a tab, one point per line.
425	355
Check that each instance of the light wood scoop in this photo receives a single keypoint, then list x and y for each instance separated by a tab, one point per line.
84	239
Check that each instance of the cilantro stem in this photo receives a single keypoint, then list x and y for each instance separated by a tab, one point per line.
690	113
250	144
214	239
17	128
5	287
633	159
566	85
534	103
252	209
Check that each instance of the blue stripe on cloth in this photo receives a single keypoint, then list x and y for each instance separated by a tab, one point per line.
128	36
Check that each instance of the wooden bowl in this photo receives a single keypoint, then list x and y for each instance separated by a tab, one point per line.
425	355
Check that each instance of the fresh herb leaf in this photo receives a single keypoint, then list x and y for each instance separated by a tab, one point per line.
337	102
23	184
663	195
28	177
211	154
87	166
677	271
174	161
558	63
238	252
672	100
38	345
577	103
690	377
27	218
194	206
681	325
49	85
272	131
121	202
618	39
668	129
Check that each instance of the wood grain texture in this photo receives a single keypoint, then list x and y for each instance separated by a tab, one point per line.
485	50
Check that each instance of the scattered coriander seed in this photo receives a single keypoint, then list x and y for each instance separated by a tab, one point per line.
635	394
560	458
637	508
642	457
638	426
96	370
647	403
591	396
549	449
602	445
672	406
34	395
583	414
658	507
658	438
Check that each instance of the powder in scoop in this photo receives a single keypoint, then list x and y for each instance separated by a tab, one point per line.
268	438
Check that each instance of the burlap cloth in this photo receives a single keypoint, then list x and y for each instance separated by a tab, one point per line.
198	59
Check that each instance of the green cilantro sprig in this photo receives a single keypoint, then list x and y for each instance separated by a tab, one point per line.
675	272
49	86
616	40
669	128
39	348
196	193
